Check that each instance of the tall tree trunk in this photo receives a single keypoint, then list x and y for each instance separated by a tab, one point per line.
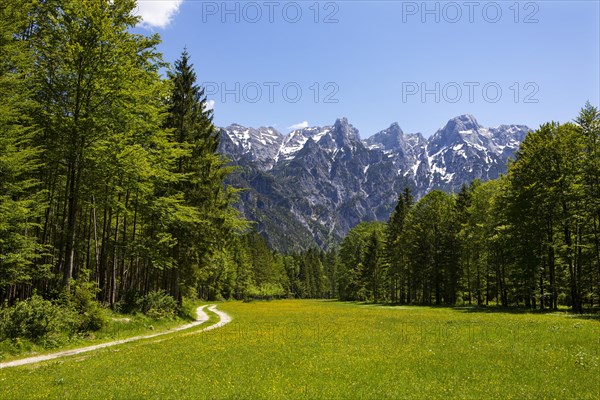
552	268
71	222
96	251
104	255
469	277
115	260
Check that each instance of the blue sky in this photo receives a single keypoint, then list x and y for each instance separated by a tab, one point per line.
288	64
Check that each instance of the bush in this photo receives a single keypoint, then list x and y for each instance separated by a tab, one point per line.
158	304
34	318
266	291
130	302
91	316
47	323
87	314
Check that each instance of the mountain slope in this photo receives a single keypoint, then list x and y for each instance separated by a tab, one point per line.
313	185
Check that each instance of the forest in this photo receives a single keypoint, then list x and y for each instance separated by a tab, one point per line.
111	192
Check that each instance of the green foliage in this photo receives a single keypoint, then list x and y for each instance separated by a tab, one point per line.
104	165
394	252
552	211
267	291
158	304
20	201
361	259
35	319
47	323
431	245
200	173
90	315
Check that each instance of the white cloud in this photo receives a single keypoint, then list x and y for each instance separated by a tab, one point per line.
157	13
301	125
210	105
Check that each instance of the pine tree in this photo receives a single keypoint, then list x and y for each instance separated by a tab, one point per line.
201	173
463	202
331	267
396	273
430	239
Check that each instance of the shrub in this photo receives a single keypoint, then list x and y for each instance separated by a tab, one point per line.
87	313
158	304
130	302
266	291
91	316
34	319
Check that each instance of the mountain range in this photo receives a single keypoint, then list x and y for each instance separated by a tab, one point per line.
310	187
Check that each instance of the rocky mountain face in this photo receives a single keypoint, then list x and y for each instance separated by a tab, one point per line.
313	185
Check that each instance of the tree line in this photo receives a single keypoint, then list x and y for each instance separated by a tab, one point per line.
529	238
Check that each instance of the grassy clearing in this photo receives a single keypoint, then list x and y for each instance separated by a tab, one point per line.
118	326
320	349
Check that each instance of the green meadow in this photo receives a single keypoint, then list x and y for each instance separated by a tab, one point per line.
325	349
117	327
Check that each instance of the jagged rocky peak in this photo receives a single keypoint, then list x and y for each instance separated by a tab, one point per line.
341	123
343	132
330	138
462	123
464	129
264	135
295	141
325	180
394	138
461	129
258	145
387	139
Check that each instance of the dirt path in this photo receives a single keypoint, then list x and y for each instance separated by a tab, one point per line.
224	319
201	317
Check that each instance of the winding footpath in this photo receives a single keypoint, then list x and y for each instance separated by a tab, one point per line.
201	317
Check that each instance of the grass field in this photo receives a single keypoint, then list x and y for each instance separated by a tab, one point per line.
118	326
321	349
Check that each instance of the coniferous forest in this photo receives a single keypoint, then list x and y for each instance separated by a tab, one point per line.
112	191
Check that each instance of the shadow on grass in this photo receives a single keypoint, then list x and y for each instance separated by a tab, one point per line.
589	314
506	310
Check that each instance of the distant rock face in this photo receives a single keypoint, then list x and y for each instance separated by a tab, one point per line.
312	186
260	145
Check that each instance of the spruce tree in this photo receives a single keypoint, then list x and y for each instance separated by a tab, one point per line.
393	246
201	173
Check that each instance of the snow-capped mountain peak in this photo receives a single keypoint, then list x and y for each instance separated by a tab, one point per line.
258	145
296	140
327	179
